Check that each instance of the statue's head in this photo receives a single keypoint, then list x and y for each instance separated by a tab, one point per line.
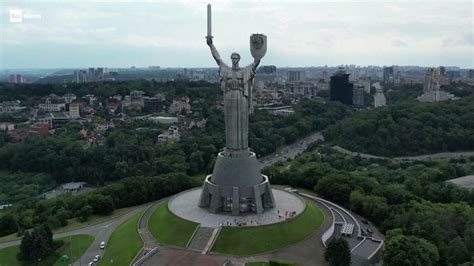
235	57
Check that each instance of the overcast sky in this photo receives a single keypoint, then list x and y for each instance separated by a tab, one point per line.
77	34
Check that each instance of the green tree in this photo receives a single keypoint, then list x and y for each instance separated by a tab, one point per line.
101	204
408	250
84	213
8	224
26	248
196	163
62	215
37	245
338	252
458	252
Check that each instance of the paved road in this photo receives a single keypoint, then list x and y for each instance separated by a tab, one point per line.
103	233
100	231
290	151
426	157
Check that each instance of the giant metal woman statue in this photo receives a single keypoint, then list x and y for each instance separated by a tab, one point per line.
237	86
236	184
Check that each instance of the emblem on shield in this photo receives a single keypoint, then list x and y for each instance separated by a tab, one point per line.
258	45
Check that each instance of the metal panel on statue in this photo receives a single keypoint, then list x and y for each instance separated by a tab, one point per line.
236	171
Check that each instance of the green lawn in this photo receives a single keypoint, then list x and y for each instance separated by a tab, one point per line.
74	223
124	243
264	263
80	243
254	240
169	229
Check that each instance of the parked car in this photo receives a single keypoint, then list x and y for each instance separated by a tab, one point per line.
102	245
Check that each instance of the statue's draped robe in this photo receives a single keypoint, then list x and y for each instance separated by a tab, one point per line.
237	87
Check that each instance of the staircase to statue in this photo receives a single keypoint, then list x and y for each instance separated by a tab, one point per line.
202	239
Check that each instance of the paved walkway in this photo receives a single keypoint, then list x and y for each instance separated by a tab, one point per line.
185	206
149	242
200	238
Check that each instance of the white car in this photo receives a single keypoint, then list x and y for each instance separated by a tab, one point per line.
91	263
102	245
96	258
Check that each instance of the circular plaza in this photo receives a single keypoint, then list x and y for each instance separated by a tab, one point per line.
184	205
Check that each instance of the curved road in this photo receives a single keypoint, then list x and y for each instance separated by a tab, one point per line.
425	157
100	231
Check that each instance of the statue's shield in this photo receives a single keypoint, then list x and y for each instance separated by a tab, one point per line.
258	45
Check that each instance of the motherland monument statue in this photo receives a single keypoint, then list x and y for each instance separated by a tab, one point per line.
236	184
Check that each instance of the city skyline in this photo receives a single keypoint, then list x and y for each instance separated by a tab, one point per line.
90	33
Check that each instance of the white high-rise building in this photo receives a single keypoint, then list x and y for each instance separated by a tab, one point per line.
296	76
379	97
74	110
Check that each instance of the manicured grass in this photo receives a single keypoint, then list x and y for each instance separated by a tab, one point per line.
300	189
8	256
264	263
257	263
74	223
253	240
168	228
124	243
75	245
199	178
80	243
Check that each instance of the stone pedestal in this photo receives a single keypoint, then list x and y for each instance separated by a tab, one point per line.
236	185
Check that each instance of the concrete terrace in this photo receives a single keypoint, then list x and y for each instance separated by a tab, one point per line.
364	248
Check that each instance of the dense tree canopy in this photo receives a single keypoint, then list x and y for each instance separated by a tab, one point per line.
127	192
408	129
408	250
397	94
410	196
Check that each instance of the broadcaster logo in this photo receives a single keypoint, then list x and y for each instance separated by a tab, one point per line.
16	15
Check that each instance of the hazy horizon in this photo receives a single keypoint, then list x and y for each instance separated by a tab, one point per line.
81	34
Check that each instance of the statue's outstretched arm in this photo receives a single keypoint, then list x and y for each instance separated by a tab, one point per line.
214	51
256	62
253	66
215	54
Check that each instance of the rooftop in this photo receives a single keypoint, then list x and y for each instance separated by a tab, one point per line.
73	185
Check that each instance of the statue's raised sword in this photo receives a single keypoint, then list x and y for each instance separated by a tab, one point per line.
209	21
